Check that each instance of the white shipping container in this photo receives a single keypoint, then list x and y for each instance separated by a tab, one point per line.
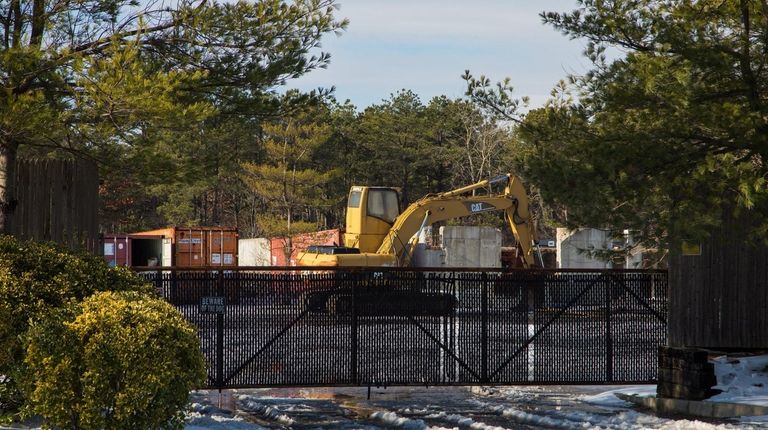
253	252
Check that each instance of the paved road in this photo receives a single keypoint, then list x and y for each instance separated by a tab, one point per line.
533	407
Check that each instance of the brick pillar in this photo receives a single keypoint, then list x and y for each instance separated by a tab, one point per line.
685	373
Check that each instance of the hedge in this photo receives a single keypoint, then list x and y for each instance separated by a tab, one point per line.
115	361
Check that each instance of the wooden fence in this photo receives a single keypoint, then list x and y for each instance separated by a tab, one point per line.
719	292
58	201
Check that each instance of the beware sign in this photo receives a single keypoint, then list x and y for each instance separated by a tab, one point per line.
691	248
212	305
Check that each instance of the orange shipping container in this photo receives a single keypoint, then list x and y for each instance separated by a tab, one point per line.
196	246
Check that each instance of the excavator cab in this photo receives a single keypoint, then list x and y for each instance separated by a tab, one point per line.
371	211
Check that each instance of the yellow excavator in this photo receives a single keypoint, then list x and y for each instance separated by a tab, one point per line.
378	235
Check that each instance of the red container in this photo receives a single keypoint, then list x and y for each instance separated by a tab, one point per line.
130	250
116	250
299	243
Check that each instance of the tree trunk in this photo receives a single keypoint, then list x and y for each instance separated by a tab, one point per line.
7	186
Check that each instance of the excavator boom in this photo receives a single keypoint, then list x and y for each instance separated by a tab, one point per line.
456	204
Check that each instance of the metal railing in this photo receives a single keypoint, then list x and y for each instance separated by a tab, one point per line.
304	327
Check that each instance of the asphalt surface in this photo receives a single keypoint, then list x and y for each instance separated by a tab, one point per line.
526	407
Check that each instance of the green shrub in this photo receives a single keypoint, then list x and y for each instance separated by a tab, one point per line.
116	361
35	277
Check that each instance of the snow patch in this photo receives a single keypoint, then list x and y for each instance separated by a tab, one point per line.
393	419
617	420
204	416
198	421
696	425
462	421
609	399
742	380
249	405
528	418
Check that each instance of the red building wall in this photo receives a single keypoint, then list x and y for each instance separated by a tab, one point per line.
299	243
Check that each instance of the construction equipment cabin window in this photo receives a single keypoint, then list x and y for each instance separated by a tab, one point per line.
383	204
354	199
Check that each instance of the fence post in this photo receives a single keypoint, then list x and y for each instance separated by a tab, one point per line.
173	293
158	281
220	335
529	293
608	339
484	328
353	329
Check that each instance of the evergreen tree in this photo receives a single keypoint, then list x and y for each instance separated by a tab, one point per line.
104	77
670	137
286	181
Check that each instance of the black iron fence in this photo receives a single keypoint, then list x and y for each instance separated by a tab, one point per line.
279	327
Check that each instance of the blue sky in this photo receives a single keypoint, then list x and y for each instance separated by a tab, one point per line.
425	46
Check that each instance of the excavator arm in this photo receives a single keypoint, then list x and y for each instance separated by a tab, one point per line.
459	203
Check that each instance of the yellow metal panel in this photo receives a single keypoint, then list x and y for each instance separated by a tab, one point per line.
345	260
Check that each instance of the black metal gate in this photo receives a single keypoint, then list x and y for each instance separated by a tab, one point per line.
409	327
